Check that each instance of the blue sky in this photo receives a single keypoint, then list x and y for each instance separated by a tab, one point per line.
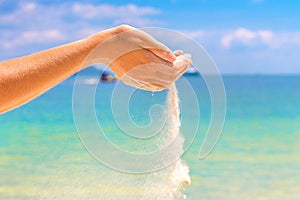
244	36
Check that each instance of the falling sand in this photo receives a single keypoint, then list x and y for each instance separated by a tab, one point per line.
170	180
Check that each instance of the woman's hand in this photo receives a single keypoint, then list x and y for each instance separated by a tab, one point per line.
150	72
133	55
139	60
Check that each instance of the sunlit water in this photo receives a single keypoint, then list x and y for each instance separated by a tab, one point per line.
257	156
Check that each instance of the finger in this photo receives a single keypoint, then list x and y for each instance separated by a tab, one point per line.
164	54
154	87
128	80
156	47
163	83
181	61
178	52
154	58
158	87
152	69
151	86
146	41
156	77
165	70
164	77
182	70
182	64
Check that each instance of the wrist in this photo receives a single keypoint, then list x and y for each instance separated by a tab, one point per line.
97	53
98	38
93	54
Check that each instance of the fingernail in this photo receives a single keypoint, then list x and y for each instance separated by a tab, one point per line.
171	56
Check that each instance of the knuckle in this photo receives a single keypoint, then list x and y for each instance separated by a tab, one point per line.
124	27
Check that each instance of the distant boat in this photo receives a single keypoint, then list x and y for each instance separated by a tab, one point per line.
107	77
191	71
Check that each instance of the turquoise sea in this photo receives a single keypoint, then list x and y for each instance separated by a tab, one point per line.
256	157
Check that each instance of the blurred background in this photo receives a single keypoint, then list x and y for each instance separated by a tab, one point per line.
254	43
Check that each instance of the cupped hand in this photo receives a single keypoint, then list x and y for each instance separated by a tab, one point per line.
138	59
148	71
148	64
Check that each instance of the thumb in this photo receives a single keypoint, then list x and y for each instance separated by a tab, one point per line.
165	54
156	47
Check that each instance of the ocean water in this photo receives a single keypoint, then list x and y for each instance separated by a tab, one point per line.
256	157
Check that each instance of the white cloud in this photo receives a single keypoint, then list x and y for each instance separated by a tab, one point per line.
29	6
33	37
130	13
35	25
33	16
38	14
259	38
246	37
195	34
286	39
113	12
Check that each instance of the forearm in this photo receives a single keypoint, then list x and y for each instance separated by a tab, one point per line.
24	78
